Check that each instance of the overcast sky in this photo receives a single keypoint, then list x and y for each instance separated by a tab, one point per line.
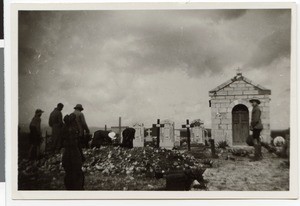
144	65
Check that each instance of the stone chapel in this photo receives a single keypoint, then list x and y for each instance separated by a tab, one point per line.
231	110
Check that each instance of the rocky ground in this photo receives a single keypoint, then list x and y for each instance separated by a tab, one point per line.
115	168
239	174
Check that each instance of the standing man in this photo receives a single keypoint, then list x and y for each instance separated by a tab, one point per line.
56	123
256	126
35	136
80	119
82	126
72	160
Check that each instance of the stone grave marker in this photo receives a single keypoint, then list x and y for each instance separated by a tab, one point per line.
177	138
139	135
148	138
197	132
167	137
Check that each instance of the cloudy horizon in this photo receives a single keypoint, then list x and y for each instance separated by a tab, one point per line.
145	65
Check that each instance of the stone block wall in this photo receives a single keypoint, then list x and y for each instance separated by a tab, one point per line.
223	101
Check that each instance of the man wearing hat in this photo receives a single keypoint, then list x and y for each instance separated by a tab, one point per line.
256	126
80	119
35	135
81	123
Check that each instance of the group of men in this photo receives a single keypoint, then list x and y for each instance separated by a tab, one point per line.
56	123
67	133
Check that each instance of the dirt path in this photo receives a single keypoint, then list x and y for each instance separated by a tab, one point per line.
269	174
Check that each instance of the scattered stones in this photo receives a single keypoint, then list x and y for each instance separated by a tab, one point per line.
207	163
150	187
230	158
241	151
113	161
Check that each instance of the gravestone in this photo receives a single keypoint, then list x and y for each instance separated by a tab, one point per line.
197	132
177	138
167	137
139	135
148	138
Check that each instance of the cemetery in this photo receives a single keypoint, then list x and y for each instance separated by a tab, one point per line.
153	99
166	156
148	167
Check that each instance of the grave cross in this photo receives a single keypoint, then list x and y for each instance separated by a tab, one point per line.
238	71
148	132
188	126
158	126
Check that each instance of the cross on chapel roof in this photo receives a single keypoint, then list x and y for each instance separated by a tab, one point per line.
239	71
238	77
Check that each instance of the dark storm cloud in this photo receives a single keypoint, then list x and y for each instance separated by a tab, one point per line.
275	43
98	58
274	46
166	39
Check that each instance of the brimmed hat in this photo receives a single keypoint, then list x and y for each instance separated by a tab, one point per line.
78	106
38	111
254	100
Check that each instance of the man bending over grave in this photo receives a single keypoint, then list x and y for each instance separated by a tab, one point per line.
128	136
101	138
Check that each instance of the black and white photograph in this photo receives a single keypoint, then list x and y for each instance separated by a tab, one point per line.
190	100
2	175
2	153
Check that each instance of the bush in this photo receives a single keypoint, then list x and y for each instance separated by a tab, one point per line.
222	144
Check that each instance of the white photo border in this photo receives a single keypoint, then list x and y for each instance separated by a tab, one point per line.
11	107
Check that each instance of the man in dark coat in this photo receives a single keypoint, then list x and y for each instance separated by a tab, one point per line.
128	136
81	124
35	136
256	126
80	119
101	138
72	159
56	123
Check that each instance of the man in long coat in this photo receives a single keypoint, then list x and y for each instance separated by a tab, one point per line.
256	126
81	124
80	119
56	123
35	136
72	159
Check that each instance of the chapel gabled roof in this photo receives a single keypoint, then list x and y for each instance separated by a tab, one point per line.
240	77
